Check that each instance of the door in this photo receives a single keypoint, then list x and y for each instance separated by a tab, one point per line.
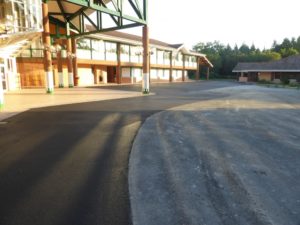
3	76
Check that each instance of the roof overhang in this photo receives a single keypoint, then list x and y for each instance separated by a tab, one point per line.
102	16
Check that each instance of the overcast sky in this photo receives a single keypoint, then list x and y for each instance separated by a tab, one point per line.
228	21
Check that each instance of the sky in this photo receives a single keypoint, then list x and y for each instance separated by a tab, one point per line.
258	22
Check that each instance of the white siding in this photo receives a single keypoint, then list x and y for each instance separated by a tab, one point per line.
83	54
86	76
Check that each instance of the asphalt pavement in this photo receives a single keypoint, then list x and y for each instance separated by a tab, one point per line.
68	165
233	159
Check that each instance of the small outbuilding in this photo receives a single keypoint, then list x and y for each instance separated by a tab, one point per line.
276	71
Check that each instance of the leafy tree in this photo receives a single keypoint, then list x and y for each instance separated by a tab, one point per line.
224	57
285	52
244	49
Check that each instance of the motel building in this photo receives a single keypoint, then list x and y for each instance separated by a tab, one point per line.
41	53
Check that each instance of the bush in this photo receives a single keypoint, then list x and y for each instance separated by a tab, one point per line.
285	80
264	82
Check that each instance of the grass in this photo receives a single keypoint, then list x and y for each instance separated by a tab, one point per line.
280	85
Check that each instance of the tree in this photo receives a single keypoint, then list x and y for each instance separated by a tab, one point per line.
286	44
244	49
224	57
285	52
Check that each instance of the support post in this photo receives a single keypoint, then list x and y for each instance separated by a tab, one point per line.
119	69
183	68
207	73
74	60
60	70
94	69
69	58
1	91
198	69
146	61
171	67
47	50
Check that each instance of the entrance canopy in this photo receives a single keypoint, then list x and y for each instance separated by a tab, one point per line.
93	16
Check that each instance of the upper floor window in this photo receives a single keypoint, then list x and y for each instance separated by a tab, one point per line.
84	43
125	49
110	47
167	55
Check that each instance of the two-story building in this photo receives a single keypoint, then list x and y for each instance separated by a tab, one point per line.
99	56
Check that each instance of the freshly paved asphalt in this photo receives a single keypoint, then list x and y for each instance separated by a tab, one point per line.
68	165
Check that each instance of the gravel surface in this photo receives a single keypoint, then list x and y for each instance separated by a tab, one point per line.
230	160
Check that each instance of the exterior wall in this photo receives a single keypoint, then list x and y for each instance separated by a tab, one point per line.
265	76
126	75
65	76
31	73
100	74
97	60
86	76
137	74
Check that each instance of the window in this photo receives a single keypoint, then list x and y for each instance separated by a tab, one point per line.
97	49
166	55
110	47
125	49
84	43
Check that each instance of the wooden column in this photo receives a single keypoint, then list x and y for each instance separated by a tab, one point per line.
69	57
171	67
183	67
74	60
207	73
60	69
94	69
47	50
1	91
146	61
119	68
197	77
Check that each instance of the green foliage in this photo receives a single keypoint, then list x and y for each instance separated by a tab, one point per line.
285	80
285	52
224	58
264	82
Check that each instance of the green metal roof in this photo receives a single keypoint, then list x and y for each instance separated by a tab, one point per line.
101	15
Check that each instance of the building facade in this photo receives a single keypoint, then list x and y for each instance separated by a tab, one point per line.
99	56
20	23
27	53
286	69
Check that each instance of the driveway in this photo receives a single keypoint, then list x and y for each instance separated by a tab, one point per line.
68	164
230	159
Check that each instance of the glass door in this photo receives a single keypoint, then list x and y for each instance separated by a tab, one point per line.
3	76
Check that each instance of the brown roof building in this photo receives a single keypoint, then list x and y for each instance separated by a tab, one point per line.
286	68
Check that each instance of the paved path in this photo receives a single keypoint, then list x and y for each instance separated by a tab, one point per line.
22	100
68	164
229	160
